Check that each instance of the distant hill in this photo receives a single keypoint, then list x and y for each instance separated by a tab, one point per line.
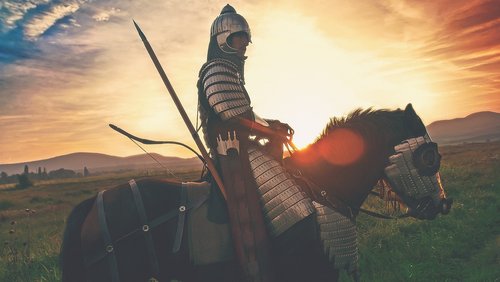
101	162
476	127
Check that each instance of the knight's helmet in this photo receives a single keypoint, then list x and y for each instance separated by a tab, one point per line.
227	23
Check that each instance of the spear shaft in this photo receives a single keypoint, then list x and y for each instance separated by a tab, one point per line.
187	121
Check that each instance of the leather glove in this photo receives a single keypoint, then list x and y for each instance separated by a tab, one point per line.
280	127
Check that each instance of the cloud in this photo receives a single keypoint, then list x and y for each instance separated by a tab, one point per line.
27	25
103	16
40	23
13	11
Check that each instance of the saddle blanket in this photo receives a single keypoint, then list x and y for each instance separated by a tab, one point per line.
209	242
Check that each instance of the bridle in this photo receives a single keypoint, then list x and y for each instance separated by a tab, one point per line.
412	173
320	195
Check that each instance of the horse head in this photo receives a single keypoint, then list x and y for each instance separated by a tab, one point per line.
413	171
354	153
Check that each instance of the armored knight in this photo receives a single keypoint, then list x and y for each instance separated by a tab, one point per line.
262	200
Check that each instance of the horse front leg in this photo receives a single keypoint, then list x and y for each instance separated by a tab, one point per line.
299	256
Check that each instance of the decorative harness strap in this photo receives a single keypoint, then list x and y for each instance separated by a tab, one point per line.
155	271
181	219
106	237
146	228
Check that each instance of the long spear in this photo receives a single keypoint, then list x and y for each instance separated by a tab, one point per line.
187	121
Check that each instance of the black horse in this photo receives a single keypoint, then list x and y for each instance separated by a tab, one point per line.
148	239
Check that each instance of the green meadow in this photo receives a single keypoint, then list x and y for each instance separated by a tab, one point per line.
461	246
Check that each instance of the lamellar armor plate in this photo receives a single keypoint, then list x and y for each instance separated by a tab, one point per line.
338	237
413	169
224	89
283	201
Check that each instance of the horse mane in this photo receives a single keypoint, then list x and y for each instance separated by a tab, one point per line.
380	130
374	124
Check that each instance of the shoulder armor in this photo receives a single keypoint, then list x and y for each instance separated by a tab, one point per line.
223	88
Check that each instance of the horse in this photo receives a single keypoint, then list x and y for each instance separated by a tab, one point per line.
136	231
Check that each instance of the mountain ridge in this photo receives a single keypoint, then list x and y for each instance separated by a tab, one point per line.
476	127
99	162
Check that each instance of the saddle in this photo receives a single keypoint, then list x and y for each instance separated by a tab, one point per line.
192	211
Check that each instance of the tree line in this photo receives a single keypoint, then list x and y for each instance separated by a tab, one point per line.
41	174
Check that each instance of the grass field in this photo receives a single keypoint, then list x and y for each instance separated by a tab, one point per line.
462	246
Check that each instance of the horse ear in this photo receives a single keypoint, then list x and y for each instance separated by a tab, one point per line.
414	121
409	110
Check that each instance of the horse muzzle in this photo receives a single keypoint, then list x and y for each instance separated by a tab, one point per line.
426	208
445	205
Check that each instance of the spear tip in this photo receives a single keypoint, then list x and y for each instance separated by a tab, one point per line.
139	31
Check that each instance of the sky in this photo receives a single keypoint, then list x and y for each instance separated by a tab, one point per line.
68	68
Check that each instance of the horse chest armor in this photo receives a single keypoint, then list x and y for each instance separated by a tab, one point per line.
338	237
285	204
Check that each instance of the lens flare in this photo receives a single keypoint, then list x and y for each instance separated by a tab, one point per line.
342	147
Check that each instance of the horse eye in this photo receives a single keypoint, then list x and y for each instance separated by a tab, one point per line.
427	159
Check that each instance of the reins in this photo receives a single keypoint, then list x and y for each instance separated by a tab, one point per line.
330	200
337	203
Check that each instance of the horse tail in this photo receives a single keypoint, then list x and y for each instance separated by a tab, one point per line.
71	258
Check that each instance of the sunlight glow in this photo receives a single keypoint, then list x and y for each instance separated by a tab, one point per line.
301	76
